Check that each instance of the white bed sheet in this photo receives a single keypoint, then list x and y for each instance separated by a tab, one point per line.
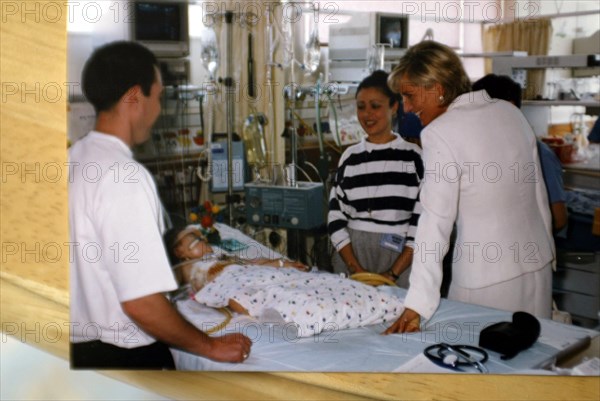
276	347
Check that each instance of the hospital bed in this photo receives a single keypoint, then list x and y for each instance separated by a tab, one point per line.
277	347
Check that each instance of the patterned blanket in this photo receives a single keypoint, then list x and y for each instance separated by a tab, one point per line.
315	302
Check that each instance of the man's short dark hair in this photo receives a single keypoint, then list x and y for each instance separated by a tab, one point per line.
115	68
378	80
500	87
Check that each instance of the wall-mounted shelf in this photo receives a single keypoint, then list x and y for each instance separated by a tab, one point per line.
493	54
538	112
516	67
506	65
583	103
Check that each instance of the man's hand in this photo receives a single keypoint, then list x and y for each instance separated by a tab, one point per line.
233	348
408	322
157	317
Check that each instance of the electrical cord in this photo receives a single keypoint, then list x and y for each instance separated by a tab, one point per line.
313	167
224	323
304	172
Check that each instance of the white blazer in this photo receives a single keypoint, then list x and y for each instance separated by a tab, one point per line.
482	172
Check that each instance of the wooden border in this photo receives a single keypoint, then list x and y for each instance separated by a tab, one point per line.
34	285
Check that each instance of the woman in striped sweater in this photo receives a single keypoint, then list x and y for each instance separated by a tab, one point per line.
373	205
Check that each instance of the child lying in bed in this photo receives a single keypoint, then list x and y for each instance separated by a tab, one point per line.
313	301
195	254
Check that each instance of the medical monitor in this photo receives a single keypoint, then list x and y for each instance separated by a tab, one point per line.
392	29
162	27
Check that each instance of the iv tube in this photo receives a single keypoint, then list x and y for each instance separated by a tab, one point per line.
335	118
254	139
208	132
312	51
271	44
318	111
291	169
209	53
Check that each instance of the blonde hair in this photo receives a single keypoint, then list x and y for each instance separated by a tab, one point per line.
429	62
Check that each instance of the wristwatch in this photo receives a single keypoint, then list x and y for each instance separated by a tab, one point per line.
394	275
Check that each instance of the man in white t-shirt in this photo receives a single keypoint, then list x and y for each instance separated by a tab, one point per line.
120	317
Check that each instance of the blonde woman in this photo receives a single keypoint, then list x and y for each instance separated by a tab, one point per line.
482	174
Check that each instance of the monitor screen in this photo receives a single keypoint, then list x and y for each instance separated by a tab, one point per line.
392	29
157	22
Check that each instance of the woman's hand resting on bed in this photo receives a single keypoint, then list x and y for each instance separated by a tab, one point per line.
408	322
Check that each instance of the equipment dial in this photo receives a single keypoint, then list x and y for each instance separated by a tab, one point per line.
254	202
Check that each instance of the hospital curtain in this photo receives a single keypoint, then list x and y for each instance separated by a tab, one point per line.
532	36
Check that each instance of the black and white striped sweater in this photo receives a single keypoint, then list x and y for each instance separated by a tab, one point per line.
376	189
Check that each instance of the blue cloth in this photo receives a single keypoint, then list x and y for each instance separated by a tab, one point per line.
552	172
583	202
594	135
408	124
581	205
411	126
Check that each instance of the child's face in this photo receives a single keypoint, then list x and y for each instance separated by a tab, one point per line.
191	245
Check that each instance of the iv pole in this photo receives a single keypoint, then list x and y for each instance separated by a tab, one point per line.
270	48
291	168
228	82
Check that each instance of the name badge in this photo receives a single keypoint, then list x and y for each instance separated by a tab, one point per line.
392	242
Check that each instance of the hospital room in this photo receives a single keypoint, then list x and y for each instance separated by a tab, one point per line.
275	195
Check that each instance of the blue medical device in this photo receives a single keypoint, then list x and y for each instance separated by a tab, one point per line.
219	166
299	207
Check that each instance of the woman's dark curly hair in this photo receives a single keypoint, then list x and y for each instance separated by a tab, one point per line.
378	80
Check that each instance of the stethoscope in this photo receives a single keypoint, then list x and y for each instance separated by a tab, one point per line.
457	356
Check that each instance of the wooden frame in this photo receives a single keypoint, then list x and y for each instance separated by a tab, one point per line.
34	278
